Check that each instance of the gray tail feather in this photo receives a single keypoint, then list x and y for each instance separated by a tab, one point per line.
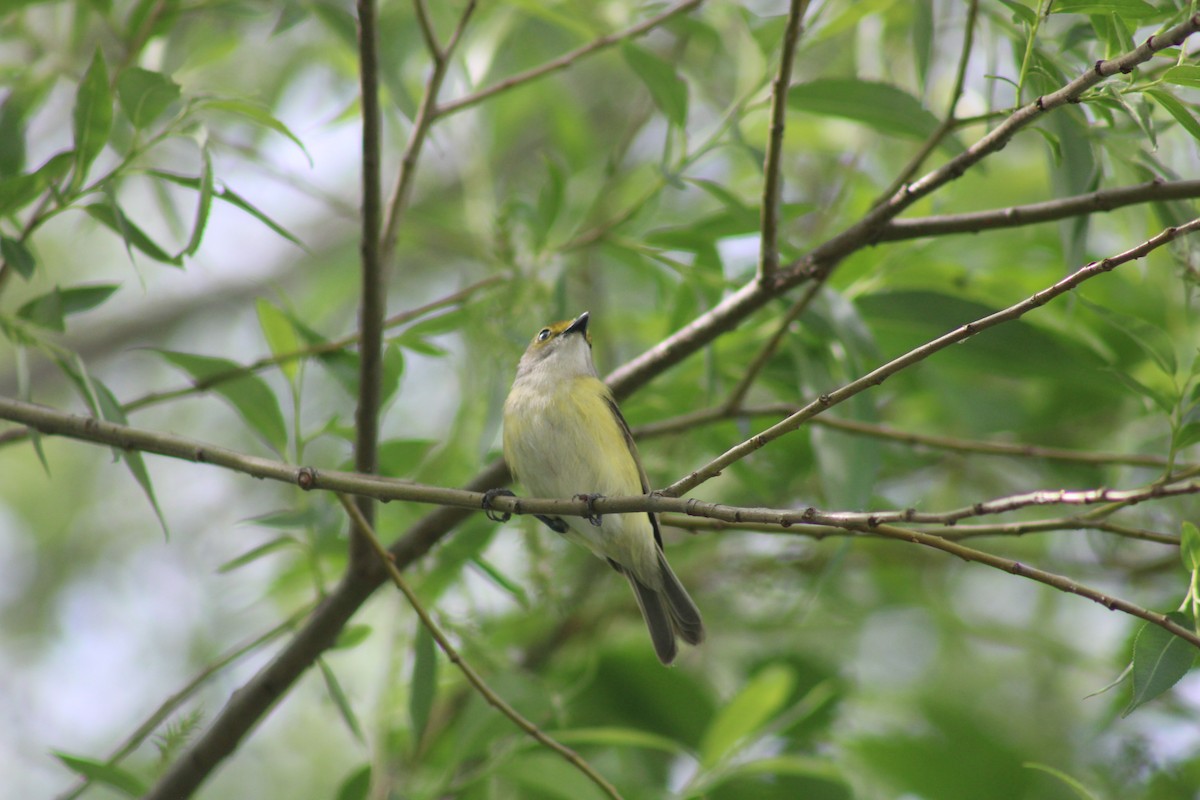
684	614
669	612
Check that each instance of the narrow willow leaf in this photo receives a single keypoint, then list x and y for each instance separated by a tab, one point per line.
1177	110
1183	75
112	217
203	202
145	95
1130	9
669	91
227	195
280	335
249	394
881	106
255	553
352	636
758	701
338	696
111	411
259	115
357	784
92	116
1160	660
100	772
393	369
620	737
423	688
17	256
1075	784
1189	547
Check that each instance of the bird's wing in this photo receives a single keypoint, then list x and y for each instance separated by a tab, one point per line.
633	452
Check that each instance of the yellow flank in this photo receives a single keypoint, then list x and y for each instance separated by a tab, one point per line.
561	439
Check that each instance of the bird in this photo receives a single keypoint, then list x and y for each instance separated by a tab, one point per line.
564	437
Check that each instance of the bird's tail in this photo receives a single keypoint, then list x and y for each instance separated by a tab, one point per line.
668	611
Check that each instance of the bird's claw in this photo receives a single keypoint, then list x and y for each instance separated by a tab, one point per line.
491	513
591	499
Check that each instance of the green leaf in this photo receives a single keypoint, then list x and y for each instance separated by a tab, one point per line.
112	217
92	116
758	701
352	636
100	772
225	194
1183	75
1076	785
145	95
356	785
203	202
1021	12
338	696
1160	660
1176	109
49	310
1131	9
400	457
922	37
248	393
255	553
1186	436
881	106
259	115
620	737
423	689
17	256
1189	547
23	99
280	335
111	411
393	368
1152	340
670	92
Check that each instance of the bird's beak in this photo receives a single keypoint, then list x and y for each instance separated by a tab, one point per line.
579	325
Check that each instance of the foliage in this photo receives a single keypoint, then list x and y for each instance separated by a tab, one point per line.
180	230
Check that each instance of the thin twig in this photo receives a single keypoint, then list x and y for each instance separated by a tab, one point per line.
825	257
768	350
168	706
473	677
57	423
880	374
957	533
426	114
565	60
686	422
427	31
949	121
768	250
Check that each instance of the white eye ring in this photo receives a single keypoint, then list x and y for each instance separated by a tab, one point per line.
543	334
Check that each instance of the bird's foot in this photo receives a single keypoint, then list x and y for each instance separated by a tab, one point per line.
491	513
591	499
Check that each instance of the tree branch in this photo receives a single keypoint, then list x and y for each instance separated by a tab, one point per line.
1048	211
768	250
880	374
685	422
565	60
373	297
473	677
728	314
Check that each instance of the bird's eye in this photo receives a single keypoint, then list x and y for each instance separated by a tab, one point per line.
543	334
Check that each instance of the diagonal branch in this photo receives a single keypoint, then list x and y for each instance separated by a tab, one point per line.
880	374
728	314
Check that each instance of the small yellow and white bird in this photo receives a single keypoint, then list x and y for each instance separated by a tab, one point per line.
565	437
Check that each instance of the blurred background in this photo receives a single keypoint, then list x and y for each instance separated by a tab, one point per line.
217	215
